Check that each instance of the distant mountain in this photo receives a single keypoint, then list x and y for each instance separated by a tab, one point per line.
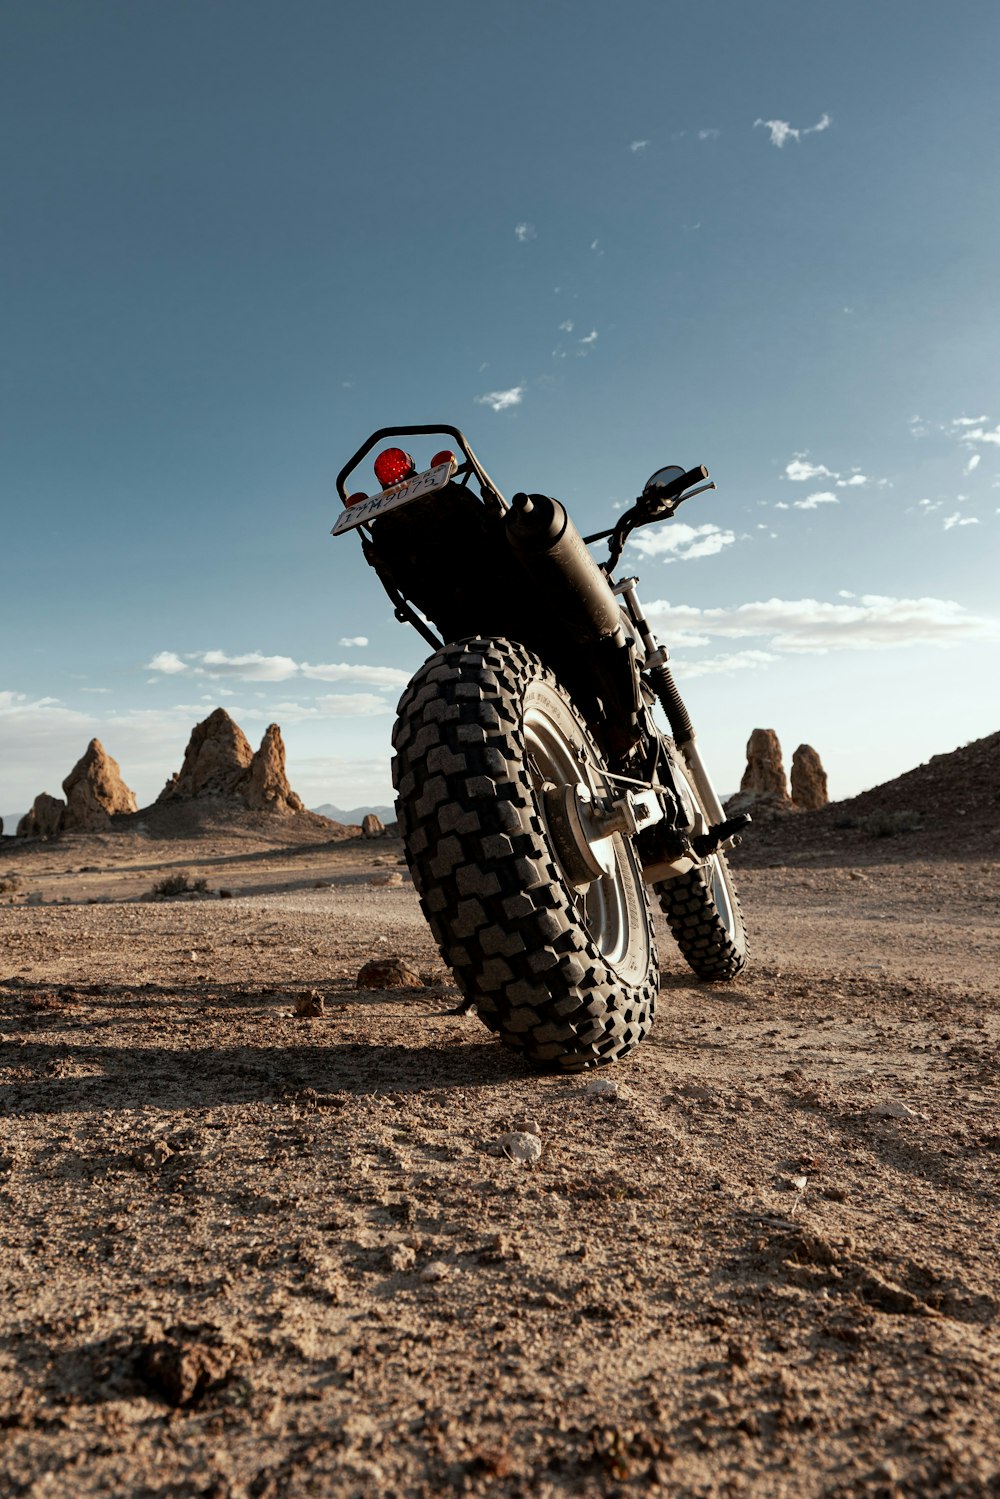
11	822
337	814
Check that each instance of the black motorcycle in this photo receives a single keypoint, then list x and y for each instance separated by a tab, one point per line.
537	799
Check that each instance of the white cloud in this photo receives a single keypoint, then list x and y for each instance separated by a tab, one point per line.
374	676
978	434
781	131
354	705
353	640
813	501
809	625
567	326
854	482
780	505
255	667
959	520
166	661
973	462
709	135
591	337
962	421
638	146
250	667
681	543
801	469
737	661
502	400
524	232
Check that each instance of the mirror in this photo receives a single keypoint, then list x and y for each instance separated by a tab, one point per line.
663	476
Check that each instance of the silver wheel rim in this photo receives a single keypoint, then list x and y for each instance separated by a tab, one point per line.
602	905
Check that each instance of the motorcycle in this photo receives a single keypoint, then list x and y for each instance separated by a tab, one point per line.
538	801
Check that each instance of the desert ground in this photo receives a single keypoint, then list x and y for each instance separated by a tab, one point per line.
260	1237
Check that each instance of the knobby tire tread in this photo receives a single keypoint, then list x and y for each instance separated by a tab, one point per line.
501	911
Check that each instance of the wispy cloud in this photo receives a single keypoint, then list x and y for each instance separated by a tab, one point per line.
350	640
855	481
973	463
738	661
678	542
167	662
254	666
800	469
781	131
812	625
591	337
813	501
567	326
709	135
637	146
502	400
950	521
979	434
523	232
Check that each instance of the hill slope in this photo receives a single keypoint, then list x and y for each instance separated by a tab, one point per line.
949	806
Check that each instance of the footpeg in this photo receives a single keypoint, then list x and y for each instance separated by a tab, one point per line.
706	844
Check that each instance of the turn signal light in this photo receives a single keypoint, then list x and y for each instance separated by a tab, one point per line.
391	466
355	499
445	456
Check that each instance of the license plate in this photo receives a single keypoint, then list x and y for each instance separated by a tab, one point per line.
391	499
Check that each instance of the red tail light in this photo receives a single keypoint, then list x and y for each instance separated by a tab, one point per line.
391	466
445	456
355	499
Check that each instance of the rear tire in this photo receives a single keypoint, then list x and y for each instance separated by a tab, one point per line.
567	976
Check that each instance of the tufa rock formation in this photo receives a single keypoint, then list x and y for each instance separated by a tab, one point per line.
219	762
95	792
371	826
44	819
808	779
765	773
267	788
764	790
216	761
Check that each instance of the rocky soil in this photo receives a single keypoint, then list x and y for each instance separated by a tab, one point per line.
268	1233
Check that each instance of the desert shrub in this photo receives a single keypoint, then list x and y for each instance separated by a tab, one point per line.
845	820
180	883
9	882
891	824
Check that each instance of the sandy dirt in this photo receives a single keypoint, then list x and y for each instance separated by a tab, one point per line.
249	1252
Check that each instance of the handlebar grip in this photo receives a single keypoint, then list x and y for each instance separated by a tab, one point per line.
696	475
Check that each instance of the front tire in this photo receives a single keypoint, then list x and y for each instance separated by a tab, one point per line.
703	909
566	975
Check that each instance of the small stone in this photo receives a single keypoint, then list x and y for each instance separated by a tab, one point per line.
521	1146
388	973
310	1005
893	1109
437	1270
399	1257
604	1088
150	1158
387	877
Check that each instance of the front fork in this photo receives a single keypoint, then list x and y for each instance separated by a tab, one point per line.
722	833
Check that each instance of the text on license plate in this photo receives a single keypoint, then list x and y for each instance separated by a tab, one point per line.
392	499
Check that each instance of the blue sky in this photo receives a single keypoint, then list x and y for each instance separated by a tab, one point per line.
600	238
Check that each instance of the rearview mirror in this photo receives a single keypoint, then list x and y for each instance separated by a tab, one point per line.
663	476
